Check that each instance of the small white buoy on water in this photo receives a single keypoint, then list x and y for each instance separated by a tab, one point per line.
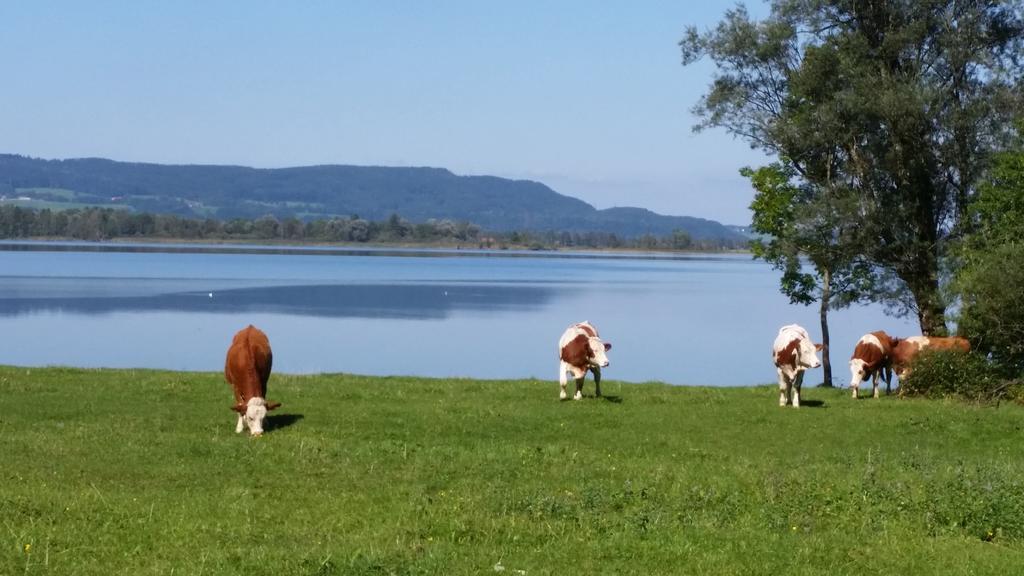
211	294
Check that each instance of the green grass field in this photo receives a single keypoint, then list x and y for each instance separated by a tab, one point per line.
140	472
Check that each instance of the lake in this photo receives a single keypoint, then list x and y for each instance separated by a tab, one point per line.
694	319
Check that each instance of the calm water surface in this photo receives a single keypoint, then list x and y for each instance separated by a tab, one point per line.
704	320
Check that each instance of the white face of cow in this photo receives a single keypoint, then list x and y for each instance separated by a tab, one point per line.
858	372
599	358
255	412
809	354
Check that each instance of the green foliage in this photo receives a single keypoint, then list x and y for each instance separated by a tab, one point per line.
800	224
949	373
991	286
774	205
887	113
998	211
681	240
140	472
107	223
992	266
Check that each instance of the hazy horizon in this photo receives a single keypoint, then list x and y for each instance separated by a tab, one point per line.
590	100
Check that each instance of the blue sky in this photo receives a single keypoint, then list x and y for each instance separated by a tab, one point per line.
587	97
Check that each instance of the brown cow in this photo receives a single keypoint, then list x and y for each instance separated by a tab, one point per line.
793	353
872	357
247	369
904	352
580	349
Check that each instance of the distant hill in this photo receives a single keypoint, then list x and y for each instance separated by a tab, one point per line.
310	192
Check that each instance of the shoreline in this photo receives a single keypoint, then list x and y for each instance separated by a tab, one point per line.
170	245
616	384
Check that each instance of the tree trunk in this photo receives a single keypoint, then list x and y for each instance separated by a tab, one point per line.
924	285
826	295
931	316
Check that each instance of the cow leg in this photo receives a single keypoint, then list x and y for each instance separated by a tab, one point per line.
874	383
888	380
797	382
562	380
579	387
239	427
597	380
783	388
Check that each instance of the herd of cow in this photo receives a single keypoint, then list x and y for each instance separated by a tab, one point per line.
876	355
580	349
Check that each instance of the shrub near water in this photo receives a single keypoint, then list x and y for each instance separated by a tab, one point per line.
967	375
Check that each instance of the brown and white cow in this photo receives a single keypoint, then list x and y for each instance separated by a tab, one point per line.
793	352
247	369
903	354
872	357
580	349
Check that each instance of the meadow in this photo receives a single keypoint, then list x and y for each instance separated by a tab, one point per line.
140	472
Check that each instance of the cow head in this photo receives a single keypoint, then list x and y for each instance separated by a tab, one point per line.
596	352
253	413
807	354
900	370
858	372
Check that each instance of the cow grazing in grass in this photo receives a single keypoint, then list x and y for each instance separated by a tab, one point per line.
904	352
247	370
872	357
581	349
793	352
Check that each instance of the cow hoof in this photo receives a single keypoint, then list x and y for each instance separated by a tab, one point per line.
563	396
578	397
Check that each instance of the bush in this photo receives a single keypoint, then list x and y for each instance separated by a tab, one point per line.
992	316
948	373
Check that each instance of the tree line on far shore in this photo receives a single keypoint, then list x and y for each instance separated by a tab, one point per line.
96	224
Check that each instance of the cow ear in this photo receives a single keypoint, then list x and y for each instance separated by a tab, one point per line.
272	405
240	408
607	346
818	347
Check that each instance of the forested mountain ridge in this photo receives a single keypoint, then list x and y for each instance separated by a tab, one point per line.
372	192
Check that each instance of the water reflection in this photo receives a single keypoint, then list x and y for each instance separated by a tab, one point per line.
687	321
406	301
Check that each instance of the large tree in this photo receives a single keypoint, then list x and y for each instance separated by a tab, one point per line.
892	106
